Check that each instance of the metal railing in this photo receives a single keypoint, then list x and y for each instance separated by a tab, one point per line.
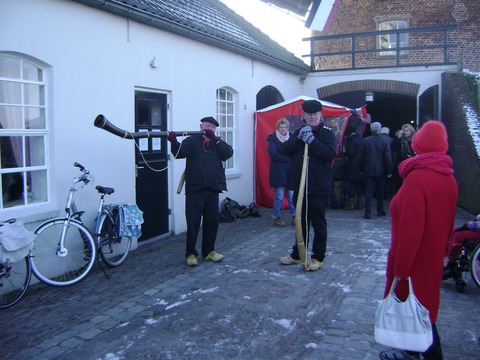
425	46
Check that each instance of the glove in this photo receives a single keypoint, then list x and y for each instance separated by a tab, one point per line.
172	137
308	137
211	135
303	130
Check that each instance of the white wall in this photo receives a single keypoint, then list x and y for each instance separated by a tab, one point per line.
95	61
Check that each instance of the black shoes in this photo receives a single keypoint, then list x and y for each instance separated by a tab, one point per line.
383	213
366	216
397	355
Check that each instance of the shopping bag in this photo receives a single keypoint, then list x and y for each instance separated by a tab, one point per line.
403	325
131	220
16	241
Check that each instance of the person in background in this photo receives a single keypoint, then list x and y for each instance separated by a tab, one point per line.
468	231
402	148
389	184
354	152
377	166
322	147
422	219
278	171
339	186
204	181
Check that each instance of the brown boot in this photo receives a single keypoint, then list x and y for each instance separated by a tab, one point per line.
350	205
359	204
278	222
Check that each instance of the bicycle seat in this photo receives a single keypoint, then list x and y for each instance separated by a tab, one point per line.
105	189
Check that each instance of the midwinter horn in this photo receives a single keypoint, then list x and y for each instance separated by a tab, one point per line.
102	123
302	244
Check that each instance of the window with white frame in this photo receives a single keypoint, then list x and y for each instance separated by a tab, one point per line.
23	132
226	119
389	41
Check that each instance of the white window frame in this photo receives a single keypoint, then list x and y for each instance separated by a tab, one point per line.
226	114
389	41
30	138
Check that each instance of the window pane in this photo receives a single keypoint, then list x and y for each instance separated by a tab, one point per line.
9	67
10	92
12	189
35	118
31	72
37	186
230	122
35	150
10	117
12	152
222	120
34	95
229	108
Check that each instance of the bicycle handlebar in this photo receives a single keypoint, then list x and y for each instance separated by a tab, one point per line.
86	176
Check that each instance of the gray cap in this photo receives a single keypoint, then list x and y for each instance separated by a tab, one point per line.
385	130
375	127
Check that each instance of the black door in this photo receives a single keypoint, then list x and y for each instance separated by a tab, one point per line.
151	164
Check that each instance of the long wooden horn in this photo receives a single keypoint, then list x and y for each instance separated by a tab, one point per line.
302	248
102	123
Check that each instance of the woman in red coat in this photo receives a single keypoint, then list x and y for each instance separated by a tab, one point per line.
423	215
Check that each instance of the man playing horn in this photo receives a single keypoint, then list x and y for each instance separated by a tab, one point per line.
204	181
319	143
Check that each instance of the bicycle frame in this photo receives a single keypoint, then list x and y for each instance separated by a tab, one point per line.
71	211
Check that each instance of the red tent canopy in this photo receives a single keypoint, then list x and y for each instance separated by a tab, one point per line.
335	117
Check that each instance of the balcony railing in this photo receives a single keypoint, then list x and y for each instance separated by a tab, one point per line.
426	46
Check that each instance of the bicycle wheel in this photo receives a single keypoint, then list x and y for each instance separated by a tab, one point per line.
113	248
14	280
63	267
475	265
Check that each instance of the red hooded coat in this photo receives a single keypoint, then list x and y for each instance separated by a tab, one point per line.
423	216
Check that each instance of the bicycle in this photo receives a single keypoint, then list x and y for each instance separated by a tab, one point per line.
64	250
15	268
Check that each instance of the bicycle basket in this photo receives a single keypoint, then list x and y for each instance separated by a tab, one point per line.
15	241
131	219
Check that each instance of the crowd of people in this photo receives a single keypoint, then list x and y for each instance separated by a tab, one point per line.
413	163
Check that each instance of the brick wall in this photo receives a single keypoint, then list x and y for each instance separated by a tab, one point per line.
466	162
353	16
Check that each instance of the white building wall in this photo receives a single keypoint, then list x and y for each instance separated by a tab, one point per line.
95	61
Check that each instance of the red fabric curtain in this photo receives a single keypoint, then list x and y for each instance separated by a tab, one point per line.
335	117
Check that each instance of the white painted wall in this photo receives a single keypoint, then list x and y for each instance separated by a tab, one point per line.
95	61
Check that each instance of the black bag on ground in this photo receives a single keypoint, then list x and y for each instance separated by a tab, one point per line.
230	211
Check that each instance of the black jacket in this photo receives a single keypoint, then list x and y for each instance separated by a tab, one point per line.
354	151
278	162
204	168
321	153
378	160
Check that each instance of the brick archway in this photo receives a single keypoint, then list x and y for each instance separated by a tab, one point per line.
391	86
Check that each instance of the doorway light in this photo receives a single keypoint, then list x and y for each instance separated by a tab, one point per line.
369	96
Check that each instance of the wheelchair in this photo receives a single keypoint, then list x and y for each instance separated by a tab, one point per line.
467	261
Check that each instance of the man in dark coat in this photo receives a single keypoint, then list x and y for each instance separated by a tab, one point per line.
354	152
322	149
377	167
204	181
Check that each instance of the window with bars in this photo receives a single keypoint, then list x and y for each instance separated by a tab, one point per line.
23	132
389	41
226	119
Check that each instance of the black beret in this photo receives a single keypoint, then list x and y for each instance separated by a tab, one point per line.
312	106
210	120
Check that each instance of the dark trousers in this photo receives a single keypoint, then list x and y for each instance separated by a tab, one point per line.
355	190
377	184
203	203
434	352
315	216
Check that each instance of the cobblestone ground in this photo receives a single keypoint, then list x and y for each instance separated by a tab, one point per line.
248	306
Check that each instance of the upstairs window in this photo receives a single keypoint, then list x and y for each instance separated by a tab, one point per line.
389	41
23	132
226	118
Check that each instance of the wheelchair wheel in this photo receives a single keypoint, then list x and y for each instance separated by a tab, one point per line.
461	286
475	265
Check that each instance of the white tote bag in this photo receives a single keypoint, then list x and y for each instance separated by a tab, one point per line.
403	325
